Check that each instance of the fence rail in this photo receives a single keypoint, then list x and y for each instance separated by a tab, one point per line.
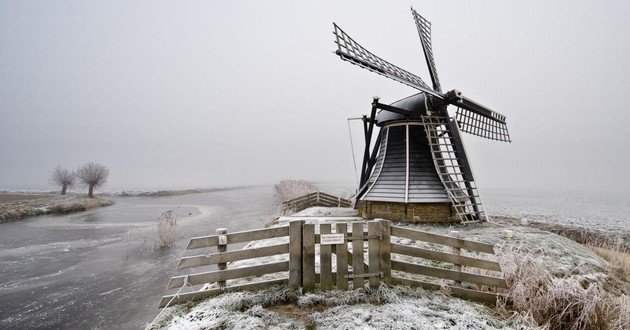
222	257
317	198
351	255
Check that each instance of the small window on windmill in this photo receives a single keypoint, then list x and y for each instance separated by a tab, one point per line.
385	208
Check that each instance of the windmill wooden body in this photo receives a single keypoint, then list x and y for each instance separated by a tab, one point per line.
418	170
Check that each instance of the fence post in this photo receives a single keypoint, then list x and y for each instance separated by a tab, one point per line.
374	253
386	248
341	251
222	247
308	257
457	251
325	264
295	254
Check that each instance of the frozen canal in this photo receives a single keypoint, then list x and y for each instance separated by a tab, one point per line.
100	269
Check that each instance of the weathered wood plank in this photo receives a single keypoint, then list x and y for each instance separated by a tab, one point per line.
341	251
374	253
308	257
215	258
199	295
228	274
357	256
441	239
474	295
386	257
295	254
238	237
448	274
446	257
325	256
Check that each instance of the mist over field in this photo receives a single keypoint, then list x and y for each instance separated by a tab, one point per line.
199	94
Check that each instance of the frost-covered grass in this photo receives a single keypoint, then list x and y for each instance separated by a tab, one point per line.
381	308
18	208
555	283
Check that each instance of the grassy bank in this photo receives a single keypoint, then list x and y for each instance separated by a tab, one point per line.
17	206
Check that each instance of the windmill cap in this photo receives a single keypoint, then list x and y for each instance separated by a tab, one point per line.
416	103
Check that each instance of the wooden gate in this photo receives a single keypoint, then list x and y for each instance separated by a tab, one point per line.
342	257
338	264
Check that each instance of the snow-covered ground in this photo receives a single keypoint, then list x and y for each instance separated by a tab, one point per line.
388	307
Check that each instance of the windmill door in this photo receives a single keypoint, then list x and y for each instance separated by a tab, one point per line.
339	256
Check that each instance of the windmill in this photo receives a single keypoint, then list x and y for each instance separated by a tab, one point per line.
417	169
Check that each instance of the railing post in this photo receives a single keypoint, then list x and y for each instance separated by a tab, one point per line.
222	247
295	254
457	251
386	251
374	253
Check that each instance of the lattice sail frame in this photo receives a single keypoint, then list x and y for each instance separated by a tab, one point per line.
424	31
493	128
451	164
350	51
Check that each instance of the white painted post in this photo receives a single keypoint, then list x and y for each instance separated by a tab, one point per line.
222	247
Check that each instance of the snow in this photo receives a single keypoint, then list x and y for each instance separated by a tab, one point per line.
390	307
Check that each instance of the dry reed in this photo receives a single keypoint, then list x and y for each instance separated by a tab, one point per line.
568	302
166	226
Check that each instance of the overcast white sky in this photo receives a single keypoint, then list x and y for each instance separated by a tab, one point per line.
209	93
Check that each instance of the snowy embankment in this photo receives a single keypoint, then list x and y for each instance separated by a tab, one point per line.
395	307
18	206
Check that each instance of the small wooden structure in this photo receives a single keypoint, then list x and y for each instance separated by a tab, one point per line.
317	198
351	255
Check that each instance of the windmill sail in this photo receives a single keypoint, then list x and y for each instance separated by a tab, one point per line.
349	50
479	120
424	30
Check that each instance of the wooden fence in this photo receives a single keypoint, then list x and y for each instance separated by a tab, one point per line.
317	198
348	258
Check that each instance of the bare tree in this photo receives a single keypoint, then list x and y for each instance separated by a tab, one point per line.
63	177
93	176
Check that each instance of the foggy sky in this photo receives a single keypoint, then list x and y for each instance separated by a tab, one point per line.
210	93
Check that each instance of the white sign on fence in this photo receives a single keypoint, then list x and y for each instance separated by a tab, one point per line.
330	239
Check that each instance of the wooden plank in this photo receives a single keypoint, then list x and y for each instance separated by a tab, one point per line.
374	253
215	258
199	295
445	257
357	256
341	251
238	237
308	257
228	274
474	295
295	254
448	274
386	257
441	239
325	256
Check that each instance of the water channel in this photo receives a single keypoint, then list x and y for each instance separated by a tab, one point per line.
102	269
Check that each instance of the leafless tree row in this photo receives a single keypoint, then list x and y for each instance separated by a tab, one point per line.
90	175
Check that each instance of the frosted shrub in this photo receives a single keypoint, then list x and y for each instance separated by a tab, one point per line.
166	226
290	189
568	302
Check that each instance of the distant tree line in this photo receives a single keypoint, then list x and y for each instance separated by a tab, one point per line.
90	175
